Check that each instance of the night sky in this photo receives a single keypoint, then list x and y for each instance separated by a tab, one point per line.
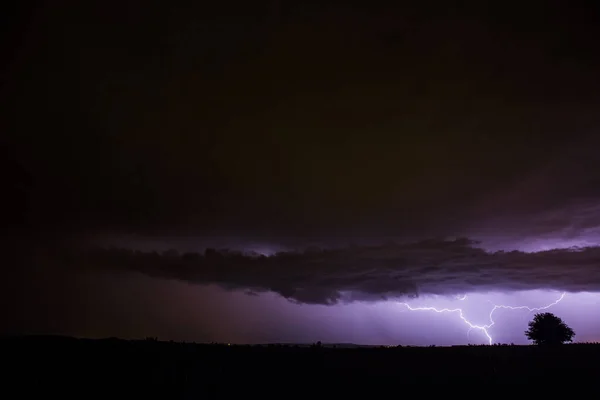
342	162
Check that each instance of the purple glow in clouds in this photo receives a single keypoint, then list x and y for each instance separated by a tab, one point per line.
425	293
134	305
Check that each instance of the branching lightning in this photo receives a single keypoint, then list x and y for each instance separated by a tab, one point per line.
483	328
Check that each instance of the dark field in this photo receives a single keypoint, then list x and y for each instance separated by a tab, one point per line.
80	367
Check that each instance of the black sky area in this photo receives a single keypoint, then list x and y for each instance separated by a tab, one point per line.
295	118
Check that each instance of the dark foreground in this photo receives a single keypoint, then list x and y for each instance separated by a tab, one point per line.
81	367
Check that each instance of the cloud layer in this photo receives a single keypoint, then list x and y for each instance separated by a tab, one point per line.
330	276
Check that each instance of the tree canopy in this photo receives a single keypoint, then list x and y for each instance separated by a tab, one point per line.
548	329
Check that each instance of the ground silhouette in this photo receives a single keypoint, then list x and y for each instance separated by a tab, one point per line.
549	330
69	366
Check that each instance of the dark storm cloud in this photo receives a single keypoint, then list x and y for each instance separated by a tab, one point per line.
335	118
330	276
575	220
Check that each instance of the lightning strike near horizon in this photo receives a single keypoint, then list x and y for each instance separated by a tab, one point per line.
482	328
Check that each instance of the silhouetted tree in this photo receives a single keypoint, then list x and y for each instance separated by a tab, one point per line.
548	329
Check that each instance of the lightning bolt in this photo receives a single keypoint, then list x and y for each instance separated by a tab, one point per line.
482	328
